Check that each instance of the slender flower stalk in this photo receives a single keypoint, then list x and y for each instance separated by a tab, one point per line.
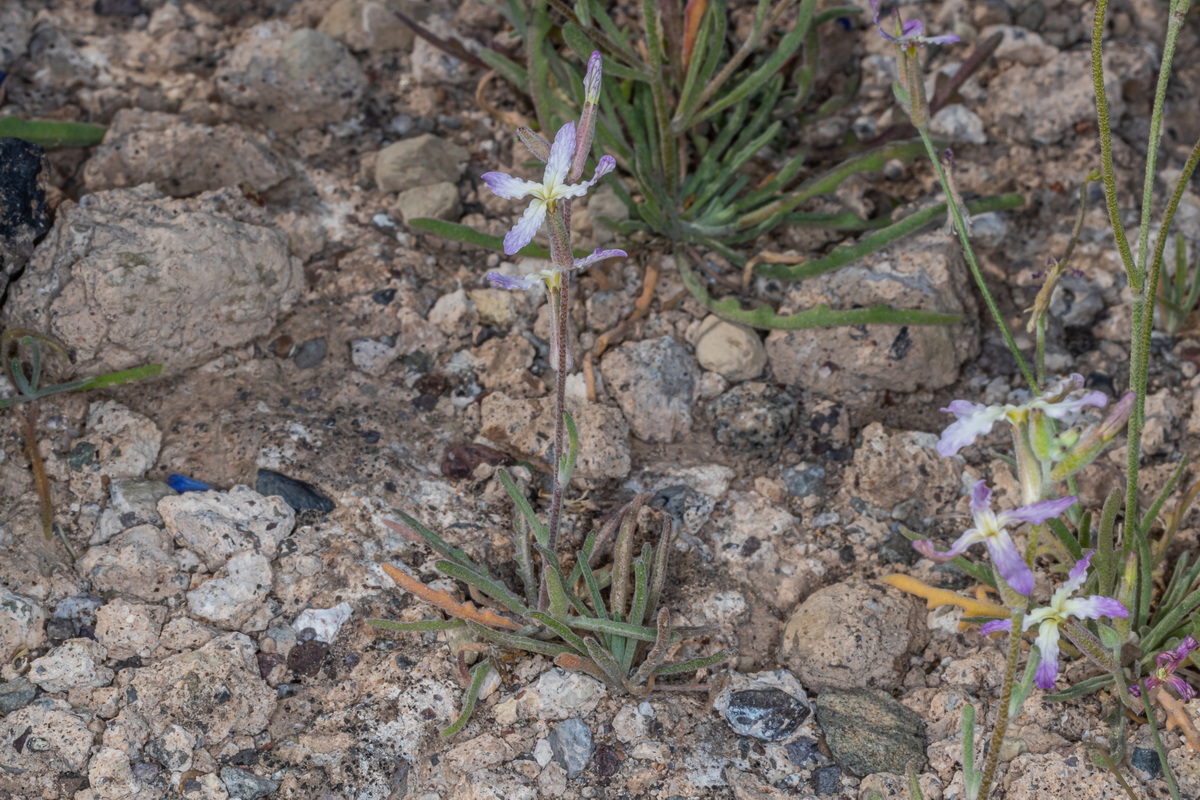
550	205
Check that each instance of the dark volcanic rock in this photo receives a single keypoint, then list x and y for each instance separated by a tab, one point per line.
24	217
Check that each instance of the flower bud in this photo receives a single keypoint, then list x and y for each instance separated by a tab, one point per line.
1089	446
587	118
536	143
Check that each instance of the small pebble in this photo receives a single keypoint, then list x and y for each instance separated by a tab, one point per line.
768	714
182	483
384	296
572	745
300	495
243	785
827	780
311	353
1146	759
16	694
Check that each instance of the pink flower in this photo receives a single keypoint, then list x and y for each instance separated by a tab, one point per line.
1168	662
910	34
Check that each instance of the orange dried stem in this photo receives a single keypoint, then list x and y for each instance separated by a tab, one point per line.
944	597
447	603
1178	719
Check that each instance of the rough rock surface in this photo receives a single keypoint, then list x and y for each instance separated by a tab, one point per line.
851	635
846	362
216	525
425	160
179	156
290	79
128	278
370	25
527	426
734	351
654	382
869	731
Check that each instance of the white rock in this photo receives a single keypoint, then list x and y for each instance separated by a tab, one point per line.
127	442
231	598
325	622
733	351
22	624
215	524
454	314
74	663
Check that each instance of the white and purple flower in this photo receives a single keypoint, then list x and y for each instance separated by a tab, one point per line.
554	187
550	277
910	34
990	528
1062	607
973	420
1169	661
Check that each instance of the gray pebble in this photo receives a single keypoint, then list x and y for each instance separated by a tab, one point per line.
311	353
572	745
244	785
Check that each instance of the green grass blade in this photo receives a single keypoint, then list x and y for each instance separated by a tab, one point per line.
541	535
514	642
1066	538
479	674
692	665
124	376
50	133
849	253
506	68
489	586
425	626
566	634
438	544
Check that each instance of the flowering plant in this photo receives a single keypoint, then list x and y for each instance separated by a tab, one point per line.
623	638
1113	561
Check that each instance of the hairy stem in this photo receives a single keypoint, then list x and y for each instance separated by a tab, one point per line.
960	225
40	480
1006	692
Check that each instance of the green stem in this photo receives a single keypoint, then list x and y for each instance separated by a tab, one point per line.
960	225
1006	692
1158	745
1142	285
1106	157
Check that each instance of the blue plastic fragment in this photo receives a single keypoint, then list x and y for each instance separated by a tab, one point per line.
182	483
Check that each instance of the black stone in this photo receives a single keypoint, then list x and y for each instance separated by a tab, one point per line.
244	785
827	780
768	714
16	694
1146	759
801	750
300	495
311	353
384	296
605	761
117	8
24	216
752	417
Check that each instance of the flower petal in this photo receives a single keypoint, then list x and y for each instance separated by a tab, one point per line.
946	38
981	498
973	421
1009	564
591	80
1094	607
560	156
603	167
599	255
927	549
995	626
502	281
1186	692
1047	642
526	228
507	186
1078	573
1037	513
1071	406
